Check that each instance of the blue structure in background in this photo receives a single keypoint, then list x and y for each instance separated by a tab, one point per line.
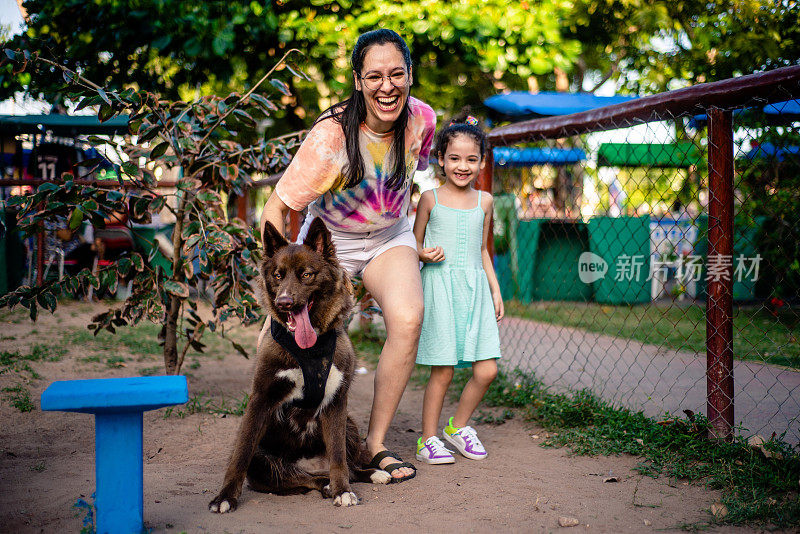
117	404
788	110
769	150
521	105
523	157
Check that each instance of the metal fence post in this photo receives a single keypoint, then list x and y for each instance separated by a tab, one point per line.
719	308
484	183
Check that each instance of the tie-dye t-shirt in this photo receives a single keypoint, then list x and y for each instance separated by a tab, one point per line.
315	175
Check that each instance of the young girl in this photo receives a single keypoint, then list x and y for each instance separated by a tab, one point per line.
462	296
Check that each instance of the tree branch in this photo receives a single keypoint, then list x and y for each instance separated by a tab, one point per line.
247	94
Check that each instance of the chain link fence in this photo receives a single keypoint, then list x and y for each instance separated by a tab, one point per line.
650	251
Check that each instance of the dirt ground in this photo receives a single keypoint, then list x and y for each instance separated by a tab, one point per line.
47	463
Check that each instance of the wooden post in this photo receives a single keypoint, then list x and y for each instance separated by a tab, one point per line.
294	224
484	183
719	308
242	202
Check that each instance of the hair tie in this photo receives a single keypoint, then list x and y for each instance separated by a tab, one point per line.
472	121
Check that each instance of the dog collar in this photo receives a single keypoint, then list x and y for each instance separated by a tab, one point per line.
315	362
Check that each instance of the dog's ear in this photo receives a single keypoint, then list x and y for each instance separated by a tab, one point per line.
319	239
273	240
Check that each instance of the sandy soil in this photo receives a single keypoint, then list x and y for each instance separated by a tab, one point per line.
46	464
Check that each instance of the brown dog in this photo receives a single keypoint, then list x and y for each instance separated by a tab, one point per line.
295	435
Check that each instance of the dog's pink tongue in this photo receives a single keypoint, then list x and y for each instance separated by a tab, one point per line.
304	335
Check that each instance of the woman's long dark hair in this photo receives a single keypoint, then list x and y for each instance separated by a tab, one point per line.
352	112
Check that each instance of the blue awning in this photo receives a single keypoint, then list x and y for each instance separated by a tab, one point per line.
62	125
787	110
518	105
770	151
524	157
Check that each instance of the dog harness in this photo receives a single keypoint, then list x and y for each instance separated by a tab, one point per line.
315	362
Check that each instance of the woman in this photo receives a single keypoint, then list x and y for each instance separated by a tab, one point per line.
354	170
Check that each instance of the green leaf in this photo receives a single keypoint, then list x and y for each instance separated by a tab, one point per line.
103	95
124	266
130	168
179	289
75	219
161	42
90	205
106	112
47	187
159	150
134	126
96	140
157	204
281	86
240	349
137	261
207	195
150	132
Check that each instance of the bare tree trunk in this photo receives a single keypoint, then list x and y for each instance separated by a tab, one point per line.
171	339
171	364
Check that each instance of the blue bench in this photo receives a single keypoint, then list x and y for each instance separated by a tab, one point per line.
117	404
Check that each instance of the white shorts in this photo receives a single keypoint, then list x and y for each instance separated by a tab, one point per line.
356	250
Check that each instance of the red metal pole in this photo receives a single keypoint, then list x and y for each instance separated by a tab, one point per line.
484	183
719	308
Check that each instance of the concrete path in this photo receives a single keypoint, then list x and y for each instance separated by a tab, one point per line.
650	378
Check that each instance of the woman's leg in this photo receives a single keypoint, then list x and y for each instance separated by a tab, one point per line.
441	376
483	374
394	282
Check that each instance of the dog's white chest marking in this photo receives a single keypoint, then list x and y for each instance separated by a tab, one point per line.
295	375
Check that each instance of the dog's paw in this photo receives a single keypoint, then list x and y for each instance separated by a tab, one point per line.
380	477
348	498
326	492
221	505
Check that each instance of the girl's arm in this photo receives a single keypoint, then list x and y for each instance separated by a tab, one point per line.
430	254
487	203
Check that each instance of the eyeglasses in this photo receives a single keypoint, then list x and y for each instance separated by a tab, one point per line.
373	81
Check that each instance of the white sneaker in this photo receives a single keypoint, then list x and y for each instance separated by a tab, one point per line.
434	452
465	439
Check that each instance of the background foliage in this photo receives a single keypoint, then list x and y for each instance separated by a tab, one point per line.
463	51
210	141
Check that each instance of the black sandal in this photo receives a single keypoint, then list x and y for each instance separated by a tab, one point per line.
375	463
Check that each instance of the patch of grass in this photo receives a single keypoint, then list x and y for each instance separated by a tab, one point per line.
19	397
19	363
757	334
139	339
201	403
115	362
368	344
756	489
39	467
488	418
151	371
38	353
92	358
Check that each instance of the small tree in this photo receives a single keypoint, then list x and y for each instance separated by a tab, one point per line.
209	140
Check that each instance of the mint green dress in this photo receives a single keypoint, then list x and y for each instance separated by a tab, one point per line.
459	327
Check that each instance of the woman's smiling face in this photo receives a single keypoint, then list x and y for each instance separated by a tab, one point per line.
384	103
